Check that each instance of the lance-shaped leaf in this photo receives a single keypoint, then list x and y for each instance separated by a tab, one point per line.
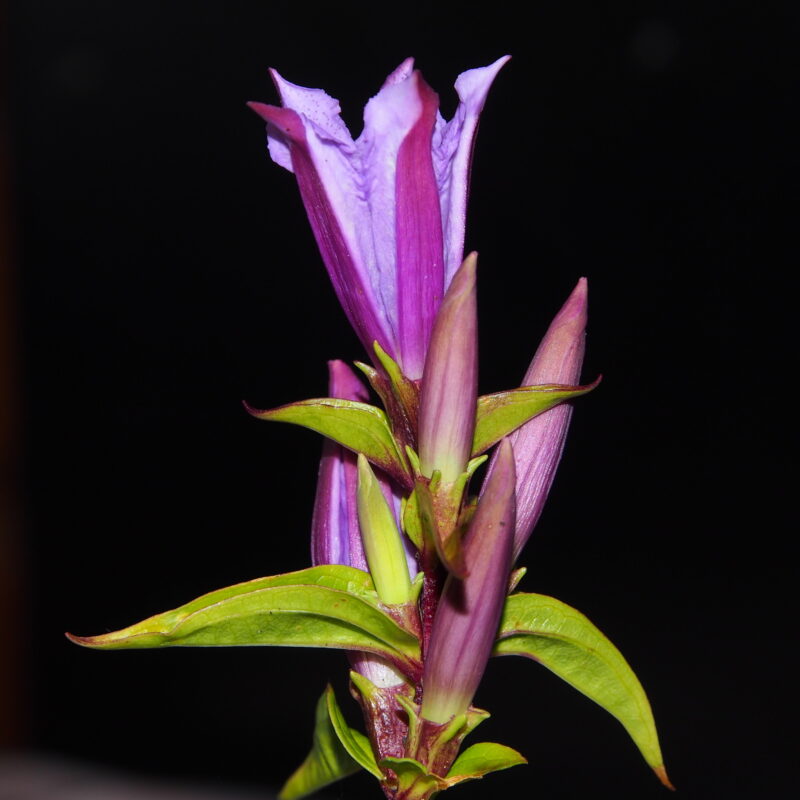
327	762
566	642
318	607
360	427
503	412
356	744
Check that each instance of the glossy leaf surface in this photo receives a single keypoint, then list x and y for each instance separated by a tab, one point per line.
566	642
503	412
482	758
327	606
360	427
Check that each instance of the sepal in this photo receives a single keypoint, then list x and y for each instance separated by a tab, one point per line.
567	643
503	412
436	745
404	390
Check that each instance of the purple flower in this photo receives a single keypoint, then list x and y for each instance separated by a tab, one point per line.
538	444
468	614
450	381
387	209
335	535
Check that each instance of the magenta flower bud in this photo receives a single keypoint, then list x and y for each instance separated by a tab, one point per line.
335	533
387	209
465	626
448	395
539	443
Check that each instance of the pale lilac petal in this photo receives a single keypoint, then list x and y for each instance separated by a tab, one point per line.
449	390
452	158
313	142
465	626
335	535
388	119
538	444
402	73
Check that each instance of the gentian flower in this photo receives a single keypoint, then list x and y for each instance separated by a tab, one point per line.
387	209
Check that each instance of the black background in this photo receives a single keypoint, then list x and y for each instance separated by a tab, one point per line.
167	272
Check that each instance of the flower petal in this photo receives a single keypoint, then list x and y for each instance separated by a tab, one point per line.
309	138
395	155
453	144
420	267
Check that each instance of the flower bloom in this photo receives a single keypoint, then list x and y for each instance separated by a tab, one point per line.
387	209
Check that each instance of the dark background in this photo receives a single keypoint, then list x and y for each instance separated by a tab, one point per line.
165	271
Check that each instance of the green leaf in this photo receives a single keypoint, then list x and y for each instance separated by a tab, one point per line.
360	427
331	606
482	758
356	744
503	412
564	641
414	782
327	762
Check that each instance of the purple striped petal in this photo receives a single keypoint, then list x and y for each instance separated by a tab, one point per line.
420	257
335	535
468	614
329	177
453	143
538	444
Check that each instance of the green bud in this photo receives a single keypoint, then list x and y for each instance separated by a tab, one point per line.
382	543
